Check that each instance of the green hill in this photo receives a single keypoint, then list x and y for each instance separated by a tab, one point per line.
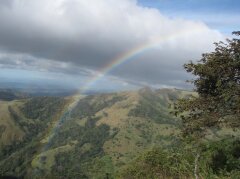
94	136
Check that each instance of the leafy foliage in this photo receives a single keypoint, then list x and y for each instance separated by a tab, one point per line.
158	163
225	156
19	163
217	83
32	118
77	163
219	159
43	108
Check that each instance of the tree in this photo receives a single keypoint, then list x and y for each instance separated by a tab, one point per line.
217	83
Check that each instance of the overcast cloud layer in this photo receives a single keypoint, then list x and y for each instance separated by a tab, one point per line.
79	36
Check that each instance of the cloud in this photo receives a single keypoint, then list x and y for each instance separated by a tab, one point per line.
30	63
87	35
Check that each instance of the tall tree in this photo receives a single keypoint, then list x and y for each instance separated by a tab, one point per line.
217	83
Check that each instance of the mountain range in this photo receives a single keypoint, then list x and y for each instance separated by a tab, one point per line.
84	136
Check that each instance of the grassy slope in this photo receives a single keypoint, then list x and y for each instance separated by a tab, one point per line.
127	135
135	134
96	137
9	130
20	139
123	136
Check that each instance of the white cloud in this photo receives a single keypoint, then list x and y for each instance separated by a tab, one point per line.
92	33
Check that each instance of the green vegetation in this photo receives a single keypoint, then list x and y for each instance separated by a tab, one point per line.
95	140
217	83
215	108
220	159
90	105
88	148
31	120
151	106
119	135
18	163
16	157
42	108
217	105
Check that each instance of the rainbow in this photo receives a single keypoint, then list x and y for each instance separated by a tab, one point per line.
127	56
117	61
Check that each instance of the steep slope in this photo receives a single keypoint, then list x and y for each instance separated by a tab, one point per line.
23	123
88	136
9	131
106	131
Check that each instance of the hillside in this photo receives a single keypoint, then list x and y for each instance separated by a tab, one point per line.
93	136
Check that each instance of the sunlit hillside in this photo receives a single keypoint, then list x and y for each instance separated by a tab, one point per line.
85	136
104	132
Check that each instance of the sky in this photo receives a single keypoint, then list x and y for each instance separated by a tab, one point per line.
109	44
222	15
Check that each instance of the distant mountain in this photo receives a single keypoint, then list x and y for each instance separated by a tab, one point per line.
93	136
35	89
9	95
